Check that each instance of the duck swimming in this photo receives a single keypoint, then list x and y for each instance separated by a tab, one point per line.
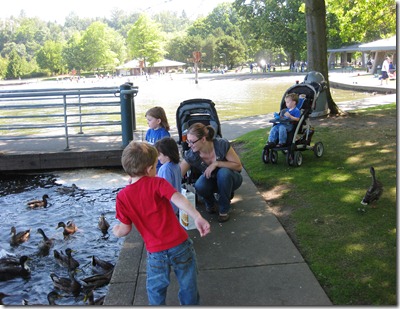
89	297
46	243
66	260
51	298
96	281
69	228
69	285
20	237
8	271
103	265
103	225
38	203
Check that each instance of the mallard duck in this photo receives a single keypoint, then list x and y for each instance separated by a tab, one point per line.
96	281
69	285
51	298
9	271
69	227
66	260
38	203
67	190
12	261
46	243
104	265
89	297
20	237
103	224
374	192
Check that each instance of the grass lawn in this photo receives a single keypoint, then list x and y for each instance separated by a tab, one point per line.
353	253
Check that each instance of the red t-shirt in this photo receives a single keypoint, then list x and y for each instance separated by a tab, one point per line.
146	204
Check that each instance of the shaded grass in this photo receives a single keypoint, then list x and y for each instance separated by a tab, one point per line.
352	253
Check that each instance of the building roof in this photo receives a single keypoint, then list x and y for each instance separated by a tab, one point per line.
379	45
161	64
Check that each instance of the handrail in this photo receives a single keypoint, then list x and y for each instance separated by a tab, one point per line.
30	113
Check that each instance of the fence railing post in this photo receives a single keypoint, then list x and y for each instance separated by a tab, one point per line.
128	123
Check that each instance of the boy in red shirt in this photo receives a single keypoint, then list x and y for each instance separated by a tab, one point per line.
146	204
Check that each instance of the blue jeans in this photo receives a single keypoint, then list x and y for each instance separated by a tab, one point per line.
225	182
279	133
182	258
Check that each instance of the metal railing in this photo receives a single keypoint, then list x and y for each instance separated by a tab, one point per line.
67	113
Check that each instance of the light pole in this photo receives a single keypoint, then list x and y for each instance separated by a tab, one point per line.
223	54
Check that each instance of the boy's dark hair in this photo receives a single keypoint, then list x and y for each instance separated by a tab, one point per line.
159	113
168	147
200	130
137	157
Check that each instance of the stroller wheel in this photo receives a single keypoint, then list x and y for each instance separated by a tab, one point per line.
298	158
265	156
318	149
289	158
273	156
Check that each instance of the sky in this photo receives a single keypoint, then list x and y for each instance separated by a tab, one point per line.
56	10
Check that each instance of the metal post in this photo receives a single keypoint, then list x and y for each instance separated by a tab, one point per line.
127	116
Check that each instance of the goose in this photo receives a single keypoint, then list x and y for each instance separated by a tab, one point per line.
20	237
9	271
69	285
374	192
51	298
38	203
69	228
66	260
103	224
103	265
45	244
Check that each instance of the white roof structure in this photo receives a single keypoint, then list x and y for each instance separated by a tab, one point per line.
129	65
380	45
133	64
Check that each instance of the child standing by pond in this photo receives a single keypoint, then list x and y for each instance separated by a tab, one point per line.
146	204
168	155
158	126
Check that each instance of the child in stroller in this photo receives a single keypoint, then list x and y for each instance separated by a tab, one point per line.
285	121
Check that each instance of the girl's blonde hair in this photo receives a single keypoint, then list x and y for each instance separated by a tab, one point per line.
137	157
159	113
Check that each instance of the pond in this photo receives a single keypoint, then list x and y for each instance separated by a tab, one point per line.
95	194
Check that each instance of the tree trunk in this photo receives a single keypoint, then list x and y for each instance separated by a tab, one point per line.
317	45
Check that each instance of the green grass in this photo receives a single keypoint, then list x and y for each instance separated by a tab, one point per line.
353	254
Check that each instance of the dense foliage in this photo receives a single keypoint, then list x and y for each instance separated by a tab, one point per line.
231	35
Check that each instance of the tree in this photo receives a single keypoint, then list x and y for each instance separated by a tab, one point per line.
50	57
14	67
145	41
317	44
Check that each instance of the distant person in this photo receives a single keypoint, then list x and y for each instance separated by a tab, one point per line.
158	126
146	204
168	155
385	70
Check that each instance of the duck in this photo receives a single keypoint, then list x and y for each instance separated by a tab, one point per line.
69	285
69	228
103	265
12	260
38	203
374	192
96	281
103	224
51	298
67	190
66	260
89	297
9	271
20	237
46	243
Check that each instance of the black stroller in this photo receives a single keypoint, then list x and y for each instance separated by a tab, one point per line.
190	112
299	139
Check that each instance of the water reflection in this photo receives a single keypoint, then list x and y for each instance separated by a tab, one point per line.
95	195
